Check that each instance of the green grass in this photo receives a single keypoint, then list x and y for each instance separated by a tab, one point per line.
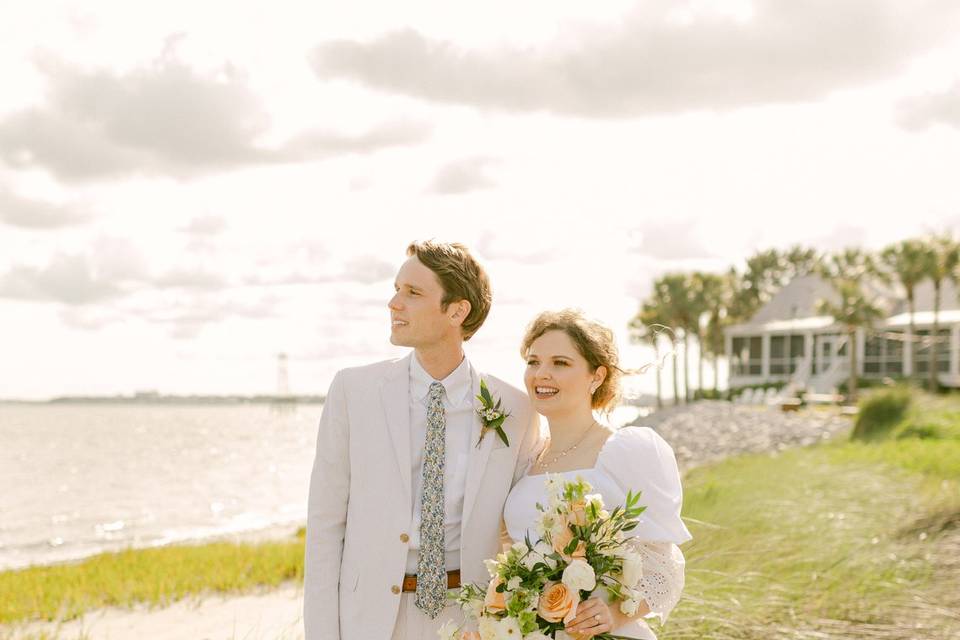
843	540
152	576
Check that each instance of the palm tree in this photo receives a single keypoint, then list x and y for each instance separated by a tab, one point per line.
910	263
673	295
944	256
846	271
647	326
708	289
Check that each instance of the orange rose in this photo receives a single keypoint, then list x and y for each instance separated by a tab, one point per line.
470	635
495	602
557	603
561	540
578	513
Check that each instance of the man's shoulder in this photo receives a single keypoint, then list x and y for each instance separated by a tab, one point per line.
376	370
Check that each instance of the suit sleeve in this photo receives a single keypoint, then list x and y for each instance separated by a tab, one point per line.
326	519
530	446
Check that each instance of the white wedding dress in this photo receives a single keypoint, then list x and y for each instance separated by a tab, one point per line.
637	459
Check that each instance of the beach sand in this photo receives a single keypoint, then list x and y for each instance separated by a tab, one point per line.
271	615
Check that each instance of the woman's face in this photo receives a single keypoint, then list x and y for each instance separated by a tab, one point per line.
558	378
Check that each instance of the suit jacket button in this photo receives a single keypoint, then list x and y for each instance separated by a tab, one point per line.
395	589
404	537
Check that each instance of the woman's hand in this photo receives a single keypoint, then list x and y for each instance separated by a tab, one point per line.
593	617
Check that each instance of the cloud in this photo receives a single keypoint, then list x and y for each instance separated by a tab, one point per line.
27	213
70	279
367	270
658	59
205	226
920	112
462	176
670	240
164	118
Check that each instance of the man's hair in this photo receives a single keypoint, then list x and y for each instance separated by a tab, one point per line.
461	277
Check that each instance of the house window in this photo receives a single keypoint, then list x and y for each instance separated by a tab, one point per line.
786	352
883	354
922	362
746	357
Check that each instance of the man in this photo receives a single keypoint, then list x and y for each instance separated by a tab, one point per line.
408	485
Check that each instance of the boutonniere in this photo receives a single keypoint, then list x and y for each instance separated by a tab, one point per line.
490	414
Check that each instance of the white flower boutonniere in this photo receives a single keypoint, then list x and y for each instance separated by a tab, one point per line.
491	414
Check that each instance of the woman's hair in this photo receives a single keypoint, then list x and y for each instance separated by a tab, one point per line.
460	275
593	340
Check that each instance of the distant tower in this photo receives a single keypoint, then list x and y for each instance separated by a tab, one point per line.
283	379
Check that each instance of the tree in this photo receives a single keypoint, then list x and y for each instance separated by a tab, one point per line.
708	305
944	256
909	262
846	271
672	293
647	326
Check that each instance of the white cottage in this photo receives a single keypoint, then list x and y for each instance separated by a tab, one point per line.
787	341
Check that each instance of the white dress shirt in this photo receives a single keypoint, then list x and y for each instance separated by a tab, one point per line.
459	409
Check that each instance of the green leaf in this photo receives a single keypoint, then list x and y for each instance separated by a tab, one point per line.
485	392
503	436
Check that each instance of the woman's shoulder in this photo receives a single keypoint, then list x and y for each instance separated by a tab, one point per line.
632	441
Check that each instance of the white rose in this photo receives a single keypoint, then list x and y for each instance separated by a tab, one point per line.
632	569
448	631
513	583
579	576
536	635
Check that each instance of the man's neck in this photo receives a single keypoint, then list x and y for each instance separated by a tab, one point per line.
440	360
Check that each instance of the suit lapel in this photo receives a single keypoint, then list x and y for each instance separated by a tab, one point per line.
478	455
395	396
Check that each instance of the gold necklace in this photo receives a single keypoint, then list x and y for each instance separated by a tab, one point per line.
565	451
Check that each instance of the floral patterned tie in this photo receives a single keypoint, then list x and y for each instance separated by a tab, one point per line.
431	570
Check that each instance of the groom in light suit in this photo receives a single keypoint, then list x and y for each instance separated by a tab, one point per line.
408	485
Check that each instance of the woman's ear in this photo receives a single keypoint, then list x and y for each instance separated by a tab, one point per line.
598	377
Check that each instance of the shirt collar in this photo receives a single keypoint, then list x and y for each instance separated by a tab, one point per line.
457	385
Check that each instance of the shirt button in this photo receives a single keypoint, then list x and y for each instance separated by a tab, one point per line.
395	589
404	537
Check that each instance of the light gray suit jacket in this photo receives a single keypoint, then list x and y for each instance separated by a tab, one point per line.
360	506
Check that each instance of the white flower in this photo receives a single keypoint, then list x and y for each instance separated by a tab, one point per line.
629	606
594	498
520	546
448	631
579	576
473	609
492	566
632	568
505	629
513	583
536	635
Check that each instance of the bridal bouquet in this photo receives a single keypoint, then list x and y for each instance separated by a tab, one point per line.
535	588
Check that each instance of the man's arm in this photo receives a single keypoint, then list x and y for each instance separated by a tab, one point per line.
327	519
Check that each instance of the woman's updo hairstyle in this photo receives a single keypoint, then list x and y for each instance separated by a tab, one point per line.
593	340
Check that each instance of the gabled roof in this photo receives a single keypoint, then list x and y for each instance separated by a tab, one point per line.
794	306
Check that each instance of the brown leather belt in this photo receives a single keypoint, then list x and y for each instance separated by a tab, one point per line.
410	582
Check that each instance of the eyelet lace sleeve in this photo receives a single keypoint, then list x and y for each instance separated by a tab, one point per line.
663	576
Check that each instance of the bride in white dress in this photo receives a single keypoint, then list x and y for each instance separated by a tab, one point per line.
572	371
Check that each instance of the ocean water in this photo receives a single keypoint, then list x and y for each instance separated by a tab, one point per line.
80	479
76	480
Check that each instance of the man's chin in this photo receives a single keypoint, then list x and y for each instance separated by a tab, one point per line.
397	340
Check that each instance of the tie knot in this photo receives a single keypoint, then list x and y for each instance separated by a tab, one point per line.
436	390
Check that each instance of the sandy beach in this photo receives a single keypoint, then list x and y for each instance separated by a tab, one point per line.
274	615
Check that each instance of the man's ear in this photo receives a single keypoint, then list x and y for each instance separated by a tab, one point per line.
461	309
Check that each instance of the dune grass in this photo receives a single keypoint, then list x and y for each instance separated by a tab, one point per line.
842	540
146	576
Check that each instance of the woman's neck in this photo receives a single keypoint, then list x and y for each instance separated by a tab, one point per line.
567	429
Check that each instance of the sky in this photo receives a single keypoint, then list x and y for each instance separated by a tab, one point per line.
189	189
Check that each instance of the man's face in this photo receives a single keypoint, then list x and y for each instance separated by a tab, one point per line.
415	309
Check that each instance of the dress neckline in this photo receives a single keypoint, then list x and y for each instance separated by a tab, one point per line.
595	463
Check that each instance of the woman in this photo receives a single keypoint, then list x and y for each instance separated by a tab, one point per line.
572	371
